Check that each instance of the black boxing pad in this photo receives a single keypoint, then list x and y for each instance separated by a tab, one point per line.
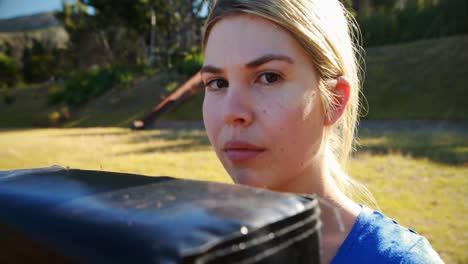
58	215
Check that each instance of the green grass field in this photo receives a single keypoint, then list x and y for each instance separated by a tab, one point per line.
418	178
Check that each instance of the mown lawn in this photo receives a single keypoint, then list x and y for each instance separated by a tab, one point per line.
418	177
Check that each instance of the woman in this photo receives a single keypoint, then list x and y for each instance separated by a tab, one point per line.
280	109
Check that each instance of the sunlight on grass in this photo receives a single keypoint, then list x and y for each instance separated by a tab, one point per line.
417	178
441	146
158	152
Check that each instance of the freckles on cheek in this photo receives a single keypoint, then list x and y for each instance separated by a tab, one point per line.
293	124
292	106
285	120
289	109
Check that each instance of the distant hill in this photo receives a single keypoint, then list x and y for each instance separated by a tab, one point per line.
20	31
29	22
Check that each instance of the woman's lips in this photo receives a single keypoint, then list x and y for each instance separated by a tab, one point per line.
241	151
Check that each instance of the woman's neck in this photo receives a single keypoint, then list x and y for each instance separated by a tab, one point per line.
319	181
335	228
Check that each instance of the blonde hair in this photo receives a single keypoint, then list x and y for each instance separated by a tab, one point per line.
329	35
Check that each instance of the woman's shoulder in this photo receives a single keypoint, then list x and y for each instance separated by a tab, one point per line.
375	238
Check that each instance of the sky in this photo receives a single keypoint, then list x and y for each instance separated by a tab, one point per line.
12	8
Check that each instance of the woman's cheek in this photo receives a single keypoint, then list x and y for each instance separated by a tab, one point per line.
282	108
287	118
210	118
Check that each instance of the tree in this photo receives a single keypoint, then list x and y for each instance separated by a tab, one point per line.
40	62
9	71
122	32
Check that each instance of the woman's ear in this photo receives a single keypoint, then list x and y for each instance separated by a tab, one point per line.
341	93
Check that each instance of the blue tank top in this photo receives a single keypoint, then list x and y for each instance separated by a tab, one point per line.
376	238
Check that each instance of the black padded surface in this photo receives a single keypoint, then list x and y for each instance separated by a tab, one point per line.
77	216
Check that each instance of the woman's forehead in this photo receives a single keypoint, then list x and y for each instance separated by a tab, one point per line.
238	39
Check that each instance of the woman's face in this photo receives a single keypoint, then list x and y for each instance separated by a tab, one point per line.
262	109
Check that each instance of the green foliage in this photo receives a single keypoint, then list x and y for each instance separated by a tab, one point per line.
81	86
171	87
123	32
55	94
58	116
39	62
10	73
190	63
416	21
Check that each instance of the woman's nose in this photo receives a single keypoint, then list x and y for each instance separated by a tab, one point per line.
238	110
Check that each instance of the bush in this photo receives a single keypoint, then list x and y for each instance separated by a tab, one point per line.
171	87
81	86
40	63
59	116
10	73
190	64
55	94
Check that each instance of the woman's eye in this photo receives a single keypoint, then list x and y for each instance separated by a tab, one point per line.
269	78
217	84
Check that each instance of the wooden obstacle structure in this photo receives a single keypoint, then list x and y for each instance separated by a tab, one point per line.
180	95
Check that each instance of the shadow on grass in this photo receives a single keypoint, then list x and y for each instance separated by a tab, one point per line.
96	134
448	147
180	140
182	147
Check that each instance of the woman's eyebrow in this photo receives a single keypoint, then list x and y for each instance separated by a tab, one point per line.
211	69
253	64
267	58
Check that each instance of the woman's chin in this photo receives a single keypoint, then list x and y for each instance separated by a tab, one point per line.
248	178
